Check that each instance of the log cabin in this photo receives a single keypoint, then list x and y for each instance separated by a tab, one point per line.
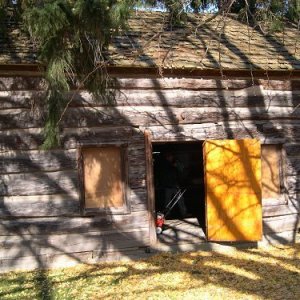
223	100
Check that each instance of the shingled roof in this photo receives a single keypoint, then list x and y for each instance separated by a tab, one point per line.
151	42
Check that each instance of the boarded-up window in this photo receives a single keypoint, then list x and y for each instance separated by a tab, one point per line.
271	175
103	178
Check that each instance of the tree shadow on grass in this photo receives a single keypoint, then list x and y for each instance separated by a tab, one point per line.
269	274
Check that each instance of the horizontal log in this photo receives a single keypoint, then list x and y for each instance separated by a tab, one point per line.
228	130
31	161
182	83
18	246
281	224
147	116
292	149
281	85
39	183
73	137
254	96
286	129
21	83
21	99
35	83
280	210
292	165
273	201
32	138
39	205
63	225
185	98
56	204
17	118
21	139
201	83
26	139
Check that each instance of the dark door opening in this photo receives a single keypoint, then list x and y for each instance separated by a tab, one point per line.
180	165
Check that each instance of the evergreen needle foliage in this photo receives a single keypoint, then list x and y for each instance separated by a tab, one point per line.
72	36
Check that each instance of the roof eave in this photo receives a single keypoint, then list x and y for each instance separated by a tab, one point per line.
38	70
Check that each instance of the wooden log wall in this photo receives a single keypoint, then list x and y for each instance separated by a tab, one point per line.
40	216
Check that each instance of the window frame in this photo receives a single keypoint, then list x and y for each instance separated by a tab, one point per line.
282	199
125	209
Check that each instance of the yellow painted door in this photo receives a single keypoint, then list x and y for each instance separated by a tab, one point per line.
233	190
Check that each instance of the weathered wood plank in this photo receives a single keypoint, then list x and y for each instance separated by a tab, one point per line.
26	139
268	131
62	225
39	205
281	223
32	138
147	116
206	84
273	202
281	85
48	183
285	129
71	259
138	198
292	165
292	149
279	210
35	83
137	170
21	99
18	246
30	161
182	83
19	118
228	130
250	97
39	183
21	83
74	137
21	139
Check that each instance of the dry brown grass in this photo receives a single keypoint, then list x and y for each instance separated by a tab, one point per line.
267	273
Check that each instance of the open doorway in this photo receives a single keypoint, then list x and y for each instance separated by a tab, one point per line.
180	166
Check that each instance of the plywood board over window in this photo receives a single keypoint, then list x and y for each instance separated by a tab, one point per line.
104	179
271	171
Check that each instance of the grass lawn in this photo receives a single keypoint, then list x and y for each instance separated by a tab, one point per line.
267	273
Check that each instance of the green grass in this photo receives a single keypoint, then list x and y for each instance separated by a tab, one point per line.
268	273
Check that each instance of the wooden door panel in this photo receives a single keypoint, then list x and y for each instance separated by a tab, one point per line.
233	190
